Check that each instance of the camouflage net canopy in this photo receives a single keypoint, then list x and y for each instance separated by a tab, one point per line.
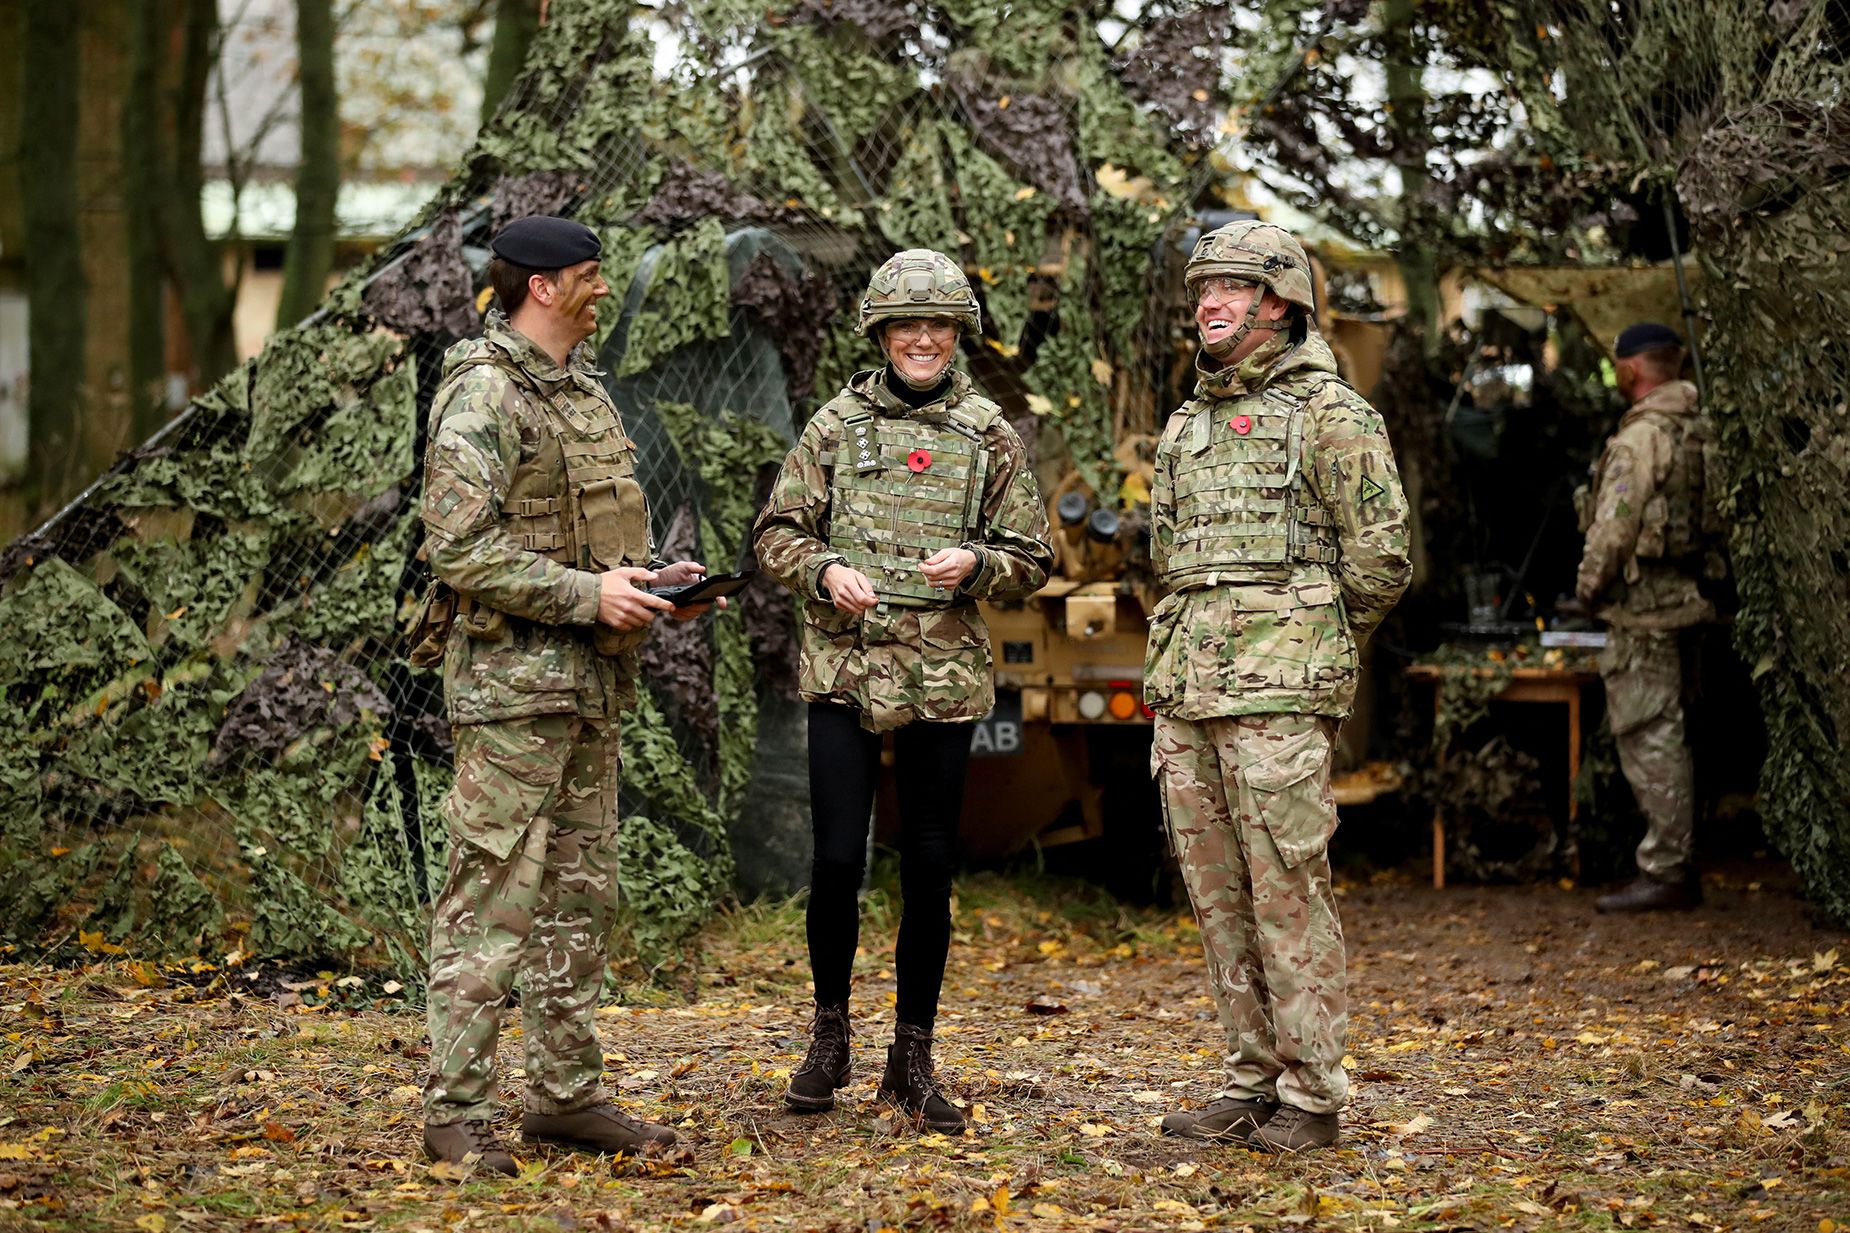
1740	116
209	740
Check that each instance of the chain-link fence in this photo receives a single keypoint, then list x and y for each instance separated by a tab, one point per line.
211	737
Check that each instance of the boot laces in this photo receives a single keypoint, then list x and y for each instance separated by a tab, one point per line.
920	1074
828	1045
480	1136
1288	1119
610	1111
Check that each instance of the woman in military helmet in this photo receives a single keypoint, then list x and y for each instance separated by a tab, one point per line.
907	499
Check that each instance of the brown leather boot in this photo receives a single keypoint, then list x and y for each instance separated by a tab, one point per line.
1225	1120
1294	1130
910	1083
1648	894
812	1088
599	1128
465	1143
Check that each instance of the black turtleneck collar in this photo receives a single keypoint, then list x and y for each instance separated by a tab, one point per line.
902	390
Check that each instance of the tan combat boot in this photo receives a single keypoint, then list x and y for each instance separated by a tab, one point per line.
600	1128
466	1143
1224	1120
1294	1130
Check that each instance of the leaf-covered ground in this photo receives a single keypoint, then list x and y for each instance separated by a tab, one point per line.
1519	1062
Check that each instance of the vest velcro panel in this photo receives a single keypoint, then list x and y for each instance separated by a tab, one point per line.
886	519
1243	508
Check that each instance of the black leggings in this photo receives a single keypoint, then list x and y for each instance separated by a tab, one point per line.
929	761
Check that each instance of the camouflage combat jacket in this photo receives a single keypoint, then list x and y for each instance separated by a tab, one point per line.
1252	635
1645	543
910	658
531	646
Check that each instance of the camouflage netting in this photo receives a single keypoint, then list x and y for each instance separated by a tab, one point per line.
1735	114
209	739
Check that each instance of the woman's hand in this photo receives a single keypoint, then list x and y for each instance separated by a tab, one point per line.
848	588
946	568
680	574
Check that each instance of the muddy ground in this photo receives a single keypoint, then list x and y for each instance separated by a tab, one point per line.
1518	1061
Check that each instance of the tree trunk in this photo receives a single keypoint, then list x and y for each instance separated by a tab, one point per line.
147	304
317	181
191	259
54	266
516	22
1406	92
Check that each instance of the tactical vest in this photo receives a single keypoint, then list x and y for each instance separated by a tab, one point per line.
904	488
1678	523
1243	507
575	501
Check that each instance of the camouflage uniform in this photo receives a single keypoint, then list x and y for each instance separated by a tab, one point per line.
1251	666
1644	555
534	689
907	659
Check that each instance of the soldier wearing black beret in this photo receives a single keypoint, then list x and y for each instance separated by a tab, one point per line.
537	531
1651	536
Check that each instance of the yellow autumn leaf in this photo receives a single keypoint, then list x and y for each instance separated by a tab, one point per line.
1101	371
1024	192
153	1222
1039	404
17	1151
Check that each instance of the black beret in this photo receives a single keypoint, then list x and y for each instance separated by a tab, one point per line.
1645	336
542	242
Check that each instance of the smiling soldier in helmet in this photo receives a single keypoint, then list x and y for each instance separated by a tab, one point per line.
1280	532
907	499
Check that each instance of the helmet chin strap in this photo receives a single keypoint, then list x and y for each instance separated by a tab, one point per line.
1225	347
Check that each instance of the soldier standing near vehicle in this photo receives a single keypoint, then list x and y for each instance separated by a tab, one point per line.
538	536
1280	530
1649	537
907	498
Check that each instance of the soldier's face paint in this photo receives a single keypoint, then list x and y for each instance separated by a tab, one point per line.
575	299
919	348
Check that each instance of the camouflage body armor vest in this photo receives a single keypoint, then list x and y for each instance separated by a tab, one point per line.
1243	508
1677	524
904	488
576	501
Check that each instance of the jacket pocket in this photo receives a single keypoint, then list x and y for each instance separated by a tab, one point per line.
830	638
1161	673
1286	765
506	773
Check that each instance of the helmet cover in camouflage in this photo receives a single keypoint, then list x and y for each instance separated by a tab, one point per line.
919	282
1256	253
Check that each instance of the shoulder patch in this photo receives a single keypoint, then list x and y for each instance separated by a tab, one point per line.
1370	489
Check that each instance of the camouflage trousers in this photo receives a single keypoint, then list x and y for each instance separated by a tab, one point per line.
1643	673
531	894
1248	806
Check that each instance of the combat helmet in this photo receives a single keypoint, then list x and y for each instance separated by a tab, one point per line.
1254	252
919	282
1258	255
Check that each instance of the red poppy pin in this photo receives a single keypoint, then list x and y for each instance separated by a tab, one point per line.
918	460
1241	424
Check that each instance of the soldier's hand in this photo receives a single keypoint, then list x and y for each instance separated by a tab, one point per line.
849	588
680	574
948	567
621	605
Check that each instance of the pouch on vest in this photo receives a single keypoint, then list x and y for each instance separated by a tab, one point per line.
483	623
616	529
429	630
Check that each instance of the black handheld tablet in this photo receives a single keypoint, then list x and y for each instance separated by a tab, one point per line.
708	589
